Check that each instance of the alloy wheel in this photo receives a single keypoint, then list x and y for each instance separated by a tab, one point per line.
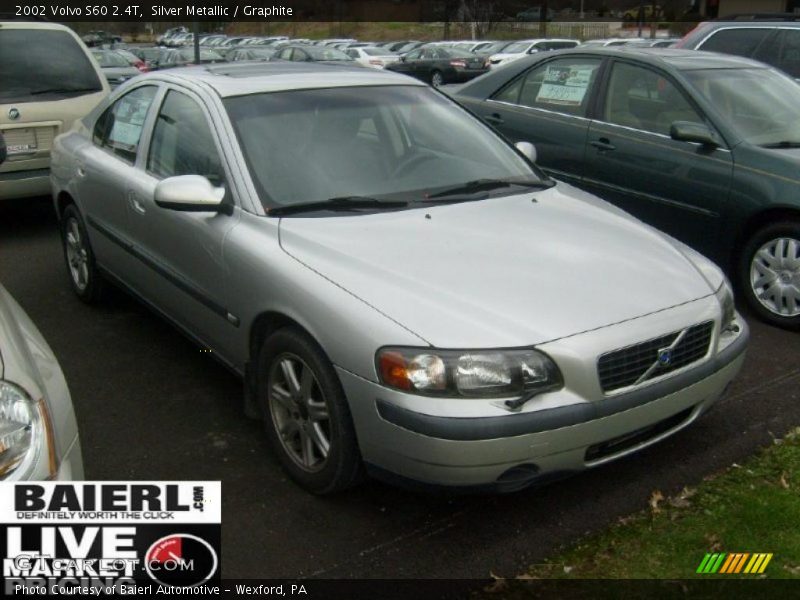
299	411
77	254
437	79
775	276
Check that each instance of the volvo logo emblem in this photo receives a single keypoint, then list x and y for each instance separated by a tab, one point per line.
664	357
13	114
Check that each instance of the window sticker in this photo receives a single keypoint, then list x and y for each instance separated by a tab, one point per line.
128	120
565	85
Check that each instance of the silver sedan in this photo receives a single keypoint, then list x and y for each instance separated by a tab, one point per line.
403	292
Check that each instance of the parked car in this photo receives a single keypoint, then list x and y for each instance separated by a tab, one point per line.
40	432
305	53
151	56
250	53
438	65
701	145
524	47
115	67
51	82
170	33
775	42
604	42
402	290
494	48
178	57
133	60
372	57
653	43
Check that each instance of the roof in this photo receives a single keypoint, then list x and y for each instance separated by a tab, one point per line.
678	58
239	79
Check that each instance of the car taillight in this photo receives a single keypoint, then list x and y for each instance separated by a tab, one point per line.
487	63
143	68
458	63
376	62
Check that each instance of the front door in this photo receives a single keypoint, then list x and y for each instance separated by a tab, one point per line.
631	160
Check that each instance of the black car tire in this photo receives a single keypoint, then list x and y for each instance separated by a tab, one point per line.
342	467
437	78
765	237
86	280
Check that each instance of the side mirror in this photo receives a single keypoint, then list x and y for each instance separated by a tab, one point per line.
528	149
189	193
3	150
687	131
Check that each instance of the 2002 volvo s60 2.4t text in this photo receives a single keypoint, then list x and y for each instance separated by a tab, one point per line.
402	290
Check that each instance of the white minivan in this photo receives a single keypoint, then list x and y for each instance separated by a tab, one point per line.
48	79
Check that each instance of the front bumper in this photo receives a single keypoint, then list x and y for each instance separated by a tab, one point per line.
24	184
510	451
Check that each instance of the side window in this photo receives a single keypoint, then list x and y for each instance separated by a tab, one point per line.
414	55
299	55
286	54
562	85
119	128
742	41
782	50
643	99
182	142
352	53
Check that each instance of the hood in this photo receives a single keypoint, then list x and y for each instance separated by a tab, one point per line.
502	272
503	56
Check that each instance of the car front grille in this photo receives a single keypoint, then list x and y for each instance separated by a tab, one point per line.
653	358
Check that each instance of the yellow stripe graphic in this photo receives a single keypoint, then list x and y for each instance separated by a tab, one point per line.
765	563
753	564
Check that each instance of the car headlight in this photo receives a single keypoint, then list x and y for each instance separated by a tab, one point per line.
25	434
468	373
725	297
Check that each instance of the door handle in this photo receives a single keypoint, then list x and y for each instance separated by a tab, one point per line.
603	145
494	119
135	204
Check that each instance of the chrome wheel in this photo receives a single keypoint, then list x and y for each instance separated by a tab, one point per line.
299	411
775	276
437	79
77	254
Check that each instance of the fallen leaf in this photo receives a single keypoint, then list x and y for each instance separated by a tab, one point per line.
784	483
655	498
793	570
498	586
567	569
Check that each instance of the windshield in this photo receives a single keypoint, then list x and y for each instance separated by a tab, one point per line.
51	60
404	142
517	48
759	104
110	59
319	53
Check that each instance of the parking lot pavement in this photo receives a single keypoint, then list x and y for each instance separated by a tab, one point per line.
150	405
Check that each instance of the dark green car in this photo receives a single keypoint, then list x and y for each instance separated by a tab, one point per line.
703	146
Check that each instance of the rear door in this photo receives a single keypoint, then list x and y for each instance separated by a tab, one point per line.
631	160
105	169
548	106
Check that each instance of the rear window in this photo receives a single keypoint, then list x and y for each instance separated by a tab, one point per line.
40	64
742	41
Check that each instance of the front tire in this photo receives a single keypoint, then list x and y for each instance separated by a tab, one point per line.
437	79
769	273
306	413
86	280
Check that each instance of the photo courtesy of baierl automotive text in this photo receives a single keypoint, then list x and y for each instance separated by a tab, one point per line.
395	298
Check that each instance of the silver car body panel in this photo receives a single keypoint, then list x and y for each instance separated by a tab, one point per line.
559	269
28	362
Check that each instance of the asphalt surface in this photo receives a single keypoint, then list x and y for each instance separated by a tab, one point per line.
151	405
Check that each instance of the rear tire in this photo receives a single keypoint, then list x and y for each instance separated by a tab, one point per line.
437	79
306	414
768	273
85	278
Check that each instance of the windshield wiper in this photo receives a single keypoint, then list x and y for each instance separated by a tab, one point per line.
341	203
782	144
64	90
485	185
